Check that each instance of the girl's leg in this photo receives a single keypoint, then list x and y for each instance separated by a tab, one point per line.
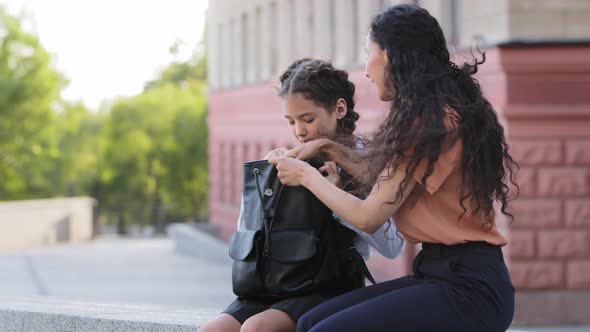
339	303
270	320
222	323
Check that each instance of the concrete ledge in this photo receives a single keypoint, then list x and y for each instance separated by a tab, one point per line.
38	314
553	307
188	240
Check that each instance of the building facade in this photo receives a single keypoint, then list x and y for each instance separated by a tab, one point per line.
537	75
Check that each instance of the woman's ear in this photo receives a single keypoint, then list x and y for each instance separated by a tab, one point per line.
341	108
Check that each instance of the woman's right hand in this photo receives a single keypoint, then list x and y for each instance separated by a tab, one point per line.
308	150
330	172
279	152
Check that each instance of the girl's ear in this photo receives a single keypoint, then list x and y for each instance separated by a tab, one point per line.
341	108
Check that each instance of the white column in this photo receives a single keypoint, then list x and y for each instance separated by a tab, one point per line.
367	10
322	42
246	45
213	41
343	38
253	48
285	35
273	39
236	55
264	36
225	56
304	22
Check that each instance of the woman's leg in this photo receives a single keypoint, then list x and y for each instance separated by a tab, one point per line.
222	323
467	292
422	307
270	320
339	303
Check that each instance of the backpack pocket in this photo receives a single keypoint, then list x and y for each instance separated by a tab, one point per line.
245	250
293	264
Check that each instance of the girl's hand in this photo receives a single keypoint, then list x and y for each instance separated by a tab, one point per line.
307	150
291	171
333	176
279	152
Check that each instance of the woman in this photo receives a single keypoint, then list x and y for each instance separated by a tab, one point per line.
438	163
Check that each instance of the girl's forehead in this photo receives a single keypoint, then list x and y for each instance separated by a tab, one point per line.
297	104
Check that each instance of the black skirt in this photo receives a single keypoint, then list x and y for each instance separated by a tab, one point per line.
242	309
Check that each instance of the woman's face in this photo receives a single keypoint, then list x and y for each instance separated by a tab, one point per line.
307	120
376	68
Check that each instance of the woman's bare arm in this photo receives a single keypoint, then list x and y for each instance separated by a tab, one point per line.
350	160
365	214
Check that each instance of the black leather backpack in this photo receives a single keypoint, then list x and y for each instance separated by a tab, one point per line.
290	245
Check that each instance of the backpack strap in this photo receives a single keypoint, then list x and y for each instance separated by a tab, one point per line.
361	266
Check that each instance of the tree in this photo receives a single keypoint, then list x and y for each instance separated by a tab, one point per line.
29	87
78	131
153	160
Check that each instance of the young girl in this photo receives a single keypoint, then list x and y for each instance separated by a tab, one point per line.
317	101
438	163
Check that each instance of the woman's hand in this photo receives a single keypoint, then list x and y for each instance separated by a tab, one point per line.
279	152
291	171
331	169
307	150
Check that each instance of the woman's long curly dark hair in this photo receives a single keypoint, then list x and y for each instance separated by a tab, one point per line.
323	84
426	85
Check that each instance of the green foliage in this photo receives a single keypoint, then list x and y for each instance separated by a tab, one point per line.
144	158
28	88
153	162
78	131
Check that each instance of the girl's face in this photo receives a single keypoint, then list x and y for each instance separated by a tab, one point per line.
376	67
307	120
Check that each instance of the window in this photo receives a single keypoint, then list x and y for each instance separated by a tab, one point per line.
230	187
221	171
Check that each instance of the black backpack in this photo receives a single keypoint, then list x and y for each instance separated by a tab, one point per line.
290	245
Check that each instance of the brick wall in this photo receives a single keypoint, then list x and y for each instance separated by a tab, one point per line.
542	94
547	107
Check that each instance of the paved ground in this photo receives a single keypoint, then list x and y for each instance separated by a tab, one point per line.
146	271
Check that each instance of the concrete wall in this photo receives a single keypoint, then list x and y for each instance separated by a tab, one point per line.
34	223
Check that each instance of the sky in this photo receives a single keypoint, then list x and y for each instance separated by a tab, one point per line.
110	48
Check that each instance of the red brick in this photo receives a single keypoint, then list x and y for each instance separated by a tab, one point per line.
522	244
578	274
578	152
534	152
563	181
563	243
577	212
537	275
526	178
537	213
